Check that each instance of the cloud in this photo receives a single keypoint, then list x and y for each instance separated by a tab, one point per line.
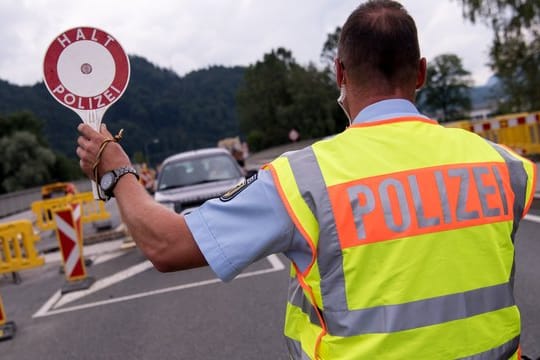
442	30
186	35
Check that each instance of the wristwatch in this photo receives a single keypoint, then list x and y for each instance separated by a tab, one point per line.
110	178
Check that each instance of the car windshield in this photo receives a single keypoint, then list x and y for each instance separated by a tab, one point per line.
197	170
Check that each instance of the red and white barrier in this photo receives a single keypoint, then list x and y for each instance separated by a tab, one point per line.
69	234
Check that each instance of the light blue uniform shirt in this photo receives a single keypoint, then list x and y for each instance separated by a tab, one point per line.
254	224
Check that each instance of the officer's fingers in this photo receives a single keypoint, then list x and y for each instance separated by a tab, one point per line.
89	146
86	160
83	142
83	151
105	131
87	131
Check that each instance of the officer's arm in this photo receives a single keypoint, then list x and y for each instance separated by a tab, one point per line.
161	234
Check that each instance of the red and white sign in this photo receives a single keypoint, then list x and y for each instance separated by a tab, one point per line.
68	230
85	68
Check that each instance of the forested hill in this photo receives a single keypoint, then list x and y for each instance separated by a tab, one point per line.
182	112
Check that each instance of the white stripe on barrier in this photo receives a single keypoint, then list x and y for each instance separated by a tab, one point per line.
72	235
76	212
64	227
72	260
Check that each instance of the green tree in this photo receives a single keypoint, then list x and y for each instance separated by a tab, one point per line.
263	93
27	159
25	163
329	50
446	92
313	110
22	121
65	169
515	51
278	94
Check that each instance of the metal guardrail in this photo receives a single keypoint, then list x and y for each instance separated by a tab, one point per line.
19	201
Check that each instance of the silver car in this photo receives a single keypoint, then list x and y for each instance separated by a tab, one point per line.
188	179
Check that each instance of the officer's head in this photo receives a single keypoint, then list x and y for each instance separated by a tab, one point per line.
378	51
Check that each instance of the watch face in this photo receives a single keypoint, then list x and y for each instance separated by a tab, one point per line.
107	181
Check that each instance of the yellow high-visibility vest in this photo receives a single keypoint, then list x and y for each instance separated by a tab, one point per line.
411	227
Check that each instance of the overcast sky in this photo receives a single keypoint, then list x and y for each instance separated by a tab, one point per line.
187	35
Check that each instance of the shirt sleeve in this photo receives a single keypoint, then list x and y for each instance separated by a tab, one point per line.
253	224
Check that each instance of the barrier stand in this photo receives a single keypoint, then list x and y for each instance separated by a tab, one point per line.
17	248
69	234
7	328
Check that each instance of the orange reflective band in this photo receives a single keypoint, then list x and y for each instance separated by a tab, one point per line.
309	291
531	197
421	201
393	120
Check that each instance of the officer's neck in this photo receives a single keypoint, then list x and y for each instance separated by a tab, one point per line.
359	100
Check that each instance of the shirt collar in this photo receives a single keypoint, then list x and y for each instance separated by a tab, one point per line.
387	109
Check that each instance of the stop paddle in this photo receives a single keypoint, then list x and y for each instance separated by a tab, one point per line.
86	70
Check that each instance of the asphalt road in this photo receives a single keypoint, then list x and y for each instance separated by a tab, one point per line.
134	312
194	316
139	313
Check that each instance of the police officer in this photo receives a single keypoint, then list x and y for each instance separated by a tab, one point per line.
400	231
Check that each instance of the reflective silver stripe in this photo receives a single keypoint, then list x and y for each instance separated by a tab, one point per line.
392	318
518	181
503	352
299	299
295	350
308	176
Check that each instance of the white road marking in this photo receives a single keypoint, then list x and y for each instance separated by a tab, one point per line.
275	262
48	305
105	282
106	257
51	306
534	218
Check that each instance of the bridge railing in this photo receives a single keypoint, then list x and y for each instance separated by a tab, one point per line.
19	201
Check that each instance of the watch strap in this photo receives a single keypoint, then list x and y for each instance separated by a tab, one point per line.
118	173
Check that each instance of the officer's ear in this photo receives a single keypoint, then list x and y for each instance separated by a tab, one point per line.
421	74
340	72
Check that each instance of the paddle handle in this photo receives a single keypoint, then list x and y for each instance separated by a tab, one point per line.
95	190
93	118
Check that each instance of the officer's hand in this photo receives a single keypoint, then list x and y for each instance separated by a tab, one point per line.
89	141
